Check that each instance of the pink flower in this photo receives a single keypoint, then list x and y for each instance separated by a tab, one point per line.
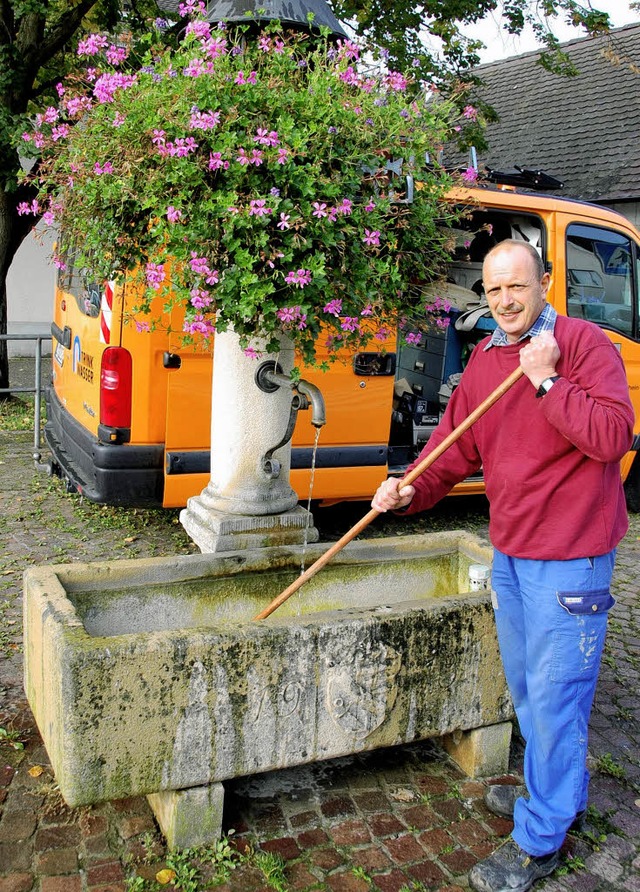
107	167
204	120
173	214
241	80
266	138
243	158
116	54
257	208
154	273
251	352
320	209
284	221
92	45
470	175
59	132
382	334
367	311
470	112
288	314
142	326
216	162
200	298
283	155
118	119
413	337
396	81
26	208
371	237
345	207
370	206
299	277
256	157
334	307
200	325
350	323
264	44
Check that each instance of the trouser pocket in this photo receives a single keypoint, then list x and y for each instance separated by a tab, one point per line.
579	634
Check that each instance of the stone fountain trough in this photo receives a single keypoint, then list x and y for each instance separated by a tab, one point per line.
151	676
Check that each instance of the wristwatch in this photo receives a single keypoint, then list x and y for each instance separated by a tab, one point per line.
546	385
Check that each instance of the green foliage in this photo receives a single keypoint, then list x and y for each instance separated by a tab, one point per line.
259	182
606	764
11	738
272	867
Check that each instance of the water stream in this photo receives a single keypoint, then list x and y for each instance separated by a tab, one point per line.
305	541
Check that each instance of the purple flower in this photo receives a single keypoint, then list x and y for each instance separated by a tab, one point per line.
200	325
413	337
470	175
107	167
173	214
350	323
200	299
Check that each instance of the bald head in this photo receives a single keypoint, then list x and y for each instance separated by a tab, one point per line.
511	244
515	285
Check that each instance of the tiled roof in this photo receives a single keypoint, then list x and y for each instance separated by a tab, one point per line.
584	130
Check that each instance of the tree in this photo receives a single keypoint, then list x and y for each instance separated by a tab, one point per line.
38	41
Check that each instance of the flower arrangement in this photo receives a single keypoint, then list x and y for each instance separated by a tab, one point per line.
250	178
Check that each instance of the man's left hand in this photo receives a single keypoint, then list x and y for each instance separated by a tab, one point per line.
539	357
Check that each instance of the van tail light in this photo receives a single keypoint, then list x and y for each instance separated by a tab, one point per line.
115	395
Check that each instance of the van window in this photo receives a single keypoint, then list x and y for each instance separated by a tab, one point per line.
601	285
72	280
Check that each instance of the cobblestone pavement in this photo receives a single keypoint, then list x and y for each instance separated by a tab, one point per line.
403	819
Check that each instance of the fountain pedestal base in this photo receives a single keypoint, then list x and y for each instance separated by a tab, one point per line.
214	531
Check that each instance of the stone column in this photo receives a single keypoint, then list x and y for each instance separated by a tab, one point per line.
242	506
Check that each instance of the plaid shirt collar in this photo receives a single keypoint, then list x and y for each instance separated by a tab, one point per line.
545	322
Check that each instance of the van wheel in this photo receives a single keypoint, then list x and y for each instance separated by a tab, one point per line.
632	488
54	469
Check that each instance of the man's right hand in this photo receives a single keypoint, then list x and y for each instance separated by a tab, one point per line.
389	497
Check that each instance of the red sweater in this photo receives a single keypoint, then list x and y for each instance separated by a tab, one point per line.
551	465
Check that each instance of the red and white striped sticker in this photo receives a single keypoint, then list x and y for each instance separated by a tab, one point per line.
106	311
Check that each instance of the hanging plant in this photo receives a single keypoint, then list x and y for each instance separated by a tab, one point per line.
259	181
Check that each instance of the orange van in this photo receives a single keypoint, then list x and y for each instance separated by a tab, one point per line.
129	410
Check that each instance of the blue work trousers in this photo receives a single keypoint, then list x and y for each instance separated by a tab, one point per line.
551	618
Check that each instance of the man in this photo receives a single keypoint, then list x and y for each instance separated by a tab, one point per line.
550	451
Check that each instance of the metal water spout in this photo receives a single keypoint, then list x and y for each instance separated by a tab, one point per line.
313	393
269	377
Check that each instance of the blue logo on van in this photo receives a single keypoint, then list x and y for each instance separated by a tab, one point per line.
76	353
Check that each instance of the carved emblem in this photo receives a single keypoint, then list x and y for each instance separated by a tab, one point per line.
361	687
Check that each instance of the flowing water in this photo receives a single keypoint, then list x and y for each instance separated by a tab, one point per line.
305	541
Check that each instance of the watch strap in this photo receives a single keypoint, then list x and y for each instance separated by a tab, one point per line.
546	385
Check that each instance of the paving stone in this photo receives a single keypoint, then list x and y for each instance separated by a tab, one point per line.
391	882
57	837
350	833
17	882
286	847
104	872
61	884
57	861
371	859
15	858
404	849
435	841
347	882
17	825
385	825
459	861
422	817
426	872
327	859
312	838
337	807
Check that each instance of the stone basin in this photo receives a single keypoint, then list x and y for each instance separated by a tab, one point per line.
151	676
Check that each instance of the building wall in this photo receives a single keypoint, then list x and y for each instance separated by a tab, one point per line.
30	289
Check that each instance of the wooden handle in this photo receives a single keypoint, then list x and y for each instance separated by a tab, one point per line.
410	477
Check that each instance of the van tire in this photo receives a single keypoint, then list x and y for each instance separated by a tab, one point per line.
632	488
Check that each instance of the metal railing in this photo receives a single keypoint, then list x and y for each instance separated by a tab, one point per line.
36	389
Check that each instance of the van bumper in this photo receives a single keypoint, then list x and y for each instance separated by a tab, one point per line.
123	475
